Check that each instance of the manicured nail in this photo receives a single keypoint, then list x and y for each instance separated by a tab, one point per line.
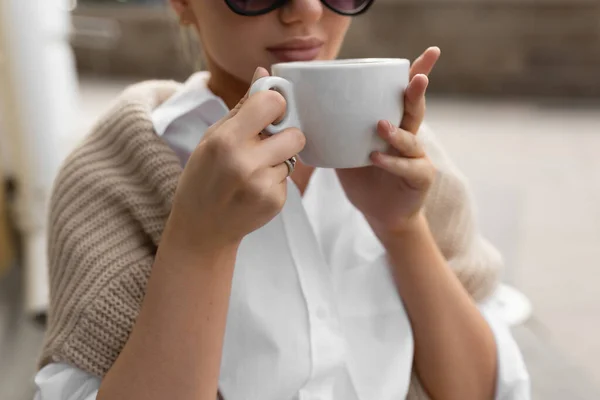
390	127
255	74
381	158
424	76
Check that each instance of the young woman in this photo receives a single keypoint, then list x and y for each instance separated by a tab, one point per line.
192	258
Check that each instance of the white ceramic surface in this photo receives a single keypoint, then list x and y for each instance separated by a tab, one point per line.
337	105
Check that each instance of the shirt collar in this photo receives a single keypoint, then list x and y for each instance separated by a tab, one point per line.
194	95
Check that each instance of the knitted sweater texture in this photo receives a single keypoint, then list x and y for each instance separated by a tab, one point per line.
110	203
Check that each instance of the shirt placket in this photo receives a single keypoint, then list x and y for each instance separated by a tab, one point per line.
328	347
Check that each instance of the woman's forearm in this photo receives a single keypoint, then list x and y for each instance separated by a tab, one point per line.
174	350
455	351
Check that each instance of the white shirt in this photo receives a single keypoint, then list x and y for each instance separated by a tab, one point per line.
314	313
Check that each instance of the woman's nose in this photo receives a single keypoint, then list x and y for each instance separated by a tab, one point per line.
305	11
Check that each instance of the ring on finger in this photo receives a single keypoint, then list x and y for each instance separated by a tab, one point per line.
291	164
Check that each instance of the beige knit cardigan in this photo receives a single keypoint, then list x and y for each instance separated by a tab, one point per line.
108	209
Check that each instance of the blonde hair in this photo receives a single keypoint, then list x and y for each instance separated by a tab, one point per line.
189	42
191	47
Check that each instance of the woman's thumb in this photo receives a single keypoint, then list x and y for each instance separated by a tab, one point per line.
259	73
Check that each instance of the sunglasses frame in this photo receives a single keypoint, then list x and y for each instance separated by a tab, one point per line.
280	3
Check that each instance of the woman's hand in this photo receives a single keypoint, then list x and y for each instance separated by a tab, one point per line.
232	184
391	193
235	181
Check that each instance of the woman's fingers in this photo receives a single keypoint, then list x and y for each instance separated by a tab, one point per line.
426	61
414	96
256	113
260	72
277	148
417	173
403	142
414	103
279	172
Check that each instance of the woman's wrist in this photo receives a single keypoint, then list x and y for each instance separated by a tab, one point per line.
184	312
413	248
392	237
191	246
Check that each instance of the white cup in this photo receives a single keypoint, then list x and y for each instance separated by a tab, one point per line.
337	105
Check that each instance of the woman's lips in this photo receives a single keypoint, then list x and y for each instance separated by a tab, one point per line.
287	55
299	49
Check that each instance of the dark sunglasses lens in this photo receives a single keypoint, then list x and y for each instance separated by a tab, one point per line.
251	6
348	6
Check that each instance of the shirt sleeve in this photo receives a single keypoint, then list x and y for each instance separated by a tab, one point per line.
512	381
65	382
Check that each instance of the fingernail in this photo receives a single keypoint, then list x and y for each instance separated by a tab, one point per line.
390	127
255	74
423	76
379	158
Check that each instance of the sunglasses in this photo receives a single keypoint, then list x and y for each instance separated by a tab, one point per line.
251	8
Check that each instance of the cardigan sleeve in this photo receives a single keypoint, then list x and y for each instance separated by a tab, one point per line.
449	209
109	204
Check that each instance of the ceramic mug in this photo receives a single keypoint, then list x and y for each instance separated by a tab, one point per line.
337	105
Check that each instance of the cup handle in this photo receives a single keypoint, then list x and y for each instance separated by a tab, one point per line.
285	87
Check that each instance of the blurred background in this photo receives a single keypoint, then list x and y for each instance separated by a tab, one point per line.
515	98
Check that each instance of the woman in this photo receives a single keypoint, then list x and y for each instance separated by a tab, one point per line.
227	277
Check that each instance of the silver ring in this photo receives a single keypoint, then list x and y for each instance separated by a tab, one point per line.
291	164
